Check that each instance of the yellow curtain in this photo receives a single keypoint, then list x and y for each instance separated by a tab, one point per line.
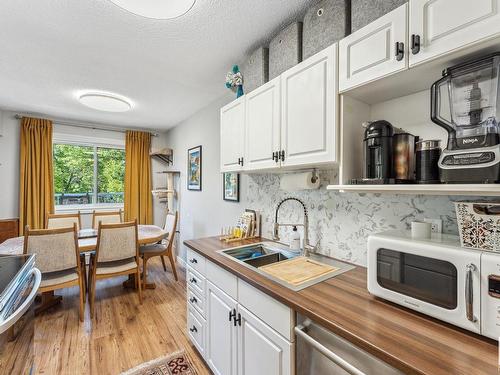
138	199
36	183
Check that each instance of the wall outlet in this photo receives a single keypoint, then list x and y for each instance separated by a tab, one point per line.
436	225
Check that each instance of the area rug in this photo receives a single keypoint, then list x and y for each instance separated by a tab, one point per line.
173	364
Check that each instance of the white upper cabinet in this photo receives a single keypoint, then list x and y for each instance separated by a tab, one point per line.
374	51
221	345
261	350
441	26
263	118
232	133
309	110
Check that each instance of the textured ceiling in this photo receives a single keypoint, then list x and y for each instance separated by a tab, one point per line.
50	49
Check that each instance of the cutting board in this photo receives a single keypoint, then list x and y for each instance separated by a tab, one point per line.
298	270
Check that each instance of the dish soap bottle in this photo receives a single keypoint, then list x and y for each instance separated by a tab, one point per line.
295	239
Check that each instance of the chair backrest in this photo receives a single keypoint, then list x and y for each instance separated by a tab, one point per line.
57	221
106	217
55	249
117	241
171	222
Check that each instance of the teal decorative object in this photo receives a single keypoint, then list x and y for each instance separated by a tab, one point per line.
234	81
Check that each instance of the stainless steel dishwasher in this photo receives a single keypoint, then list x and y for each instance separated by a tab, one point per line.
320	351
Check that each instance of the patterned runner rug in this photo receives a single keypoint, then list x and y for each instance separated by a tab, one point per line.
173	364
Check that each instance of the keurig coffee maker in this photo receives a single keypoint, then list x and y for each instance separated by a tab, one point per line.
378	153
464	103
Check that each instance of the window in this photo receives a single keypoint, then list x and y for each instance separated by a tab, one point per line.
88	174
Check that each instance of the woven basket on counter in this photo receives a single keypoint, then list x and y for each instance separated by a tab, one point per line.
479	225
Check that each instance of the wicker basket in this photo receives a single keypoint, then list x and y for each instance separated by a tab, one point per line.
479	225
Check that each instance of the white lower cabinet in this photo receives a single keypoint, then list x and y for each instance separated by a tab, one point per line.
231	325
221	341
261	350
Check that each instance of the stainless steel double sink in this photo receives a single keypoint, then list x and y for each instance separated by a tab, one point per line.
264	253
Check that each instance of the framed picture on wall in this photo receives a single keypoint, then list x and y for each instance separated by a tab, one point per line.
231	187
194	169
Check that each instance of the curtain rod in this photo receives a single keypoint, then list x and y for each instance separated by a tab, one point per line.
87	125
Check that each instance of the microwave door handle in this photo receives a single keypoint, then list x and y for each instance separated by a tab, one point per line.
7	323
469	294
335	358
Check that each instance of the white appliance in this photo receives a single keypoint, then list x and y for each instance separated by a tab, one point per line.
437	277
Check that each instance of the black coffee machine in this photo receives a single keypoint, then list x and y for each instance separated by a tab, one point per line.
377	153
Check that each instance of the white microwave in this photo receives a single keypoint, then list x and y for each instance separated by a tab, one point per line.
437	277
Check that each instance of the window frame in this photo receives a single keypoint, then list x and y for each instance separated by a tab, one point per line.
67	139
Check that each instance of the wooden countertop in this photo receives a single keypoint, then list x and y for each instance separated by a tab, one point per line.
412	342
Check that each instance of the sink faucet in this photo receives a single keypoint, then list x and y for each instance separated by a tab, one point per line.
307	246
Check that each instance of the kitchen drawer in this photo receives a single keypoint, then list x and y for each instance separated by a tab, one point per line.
275	314
196	326
196	281
222	279
196	261
196	301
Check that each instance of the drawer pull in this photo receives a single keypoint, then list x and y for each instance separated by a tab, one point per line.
193	329
193	260
192	280
193	300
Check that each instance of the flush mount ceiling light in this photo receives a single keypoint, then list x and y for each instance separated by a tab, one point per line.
104	101
157	9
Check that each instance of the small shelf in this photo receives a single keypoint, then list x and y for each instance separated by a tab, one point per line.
427	189
164	156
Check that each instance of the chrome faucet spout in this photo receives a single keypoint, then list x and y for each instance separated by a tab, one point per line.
306	246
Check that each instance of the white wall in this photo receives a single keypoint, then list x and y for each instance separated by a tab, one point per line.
203	213
9	162
9	166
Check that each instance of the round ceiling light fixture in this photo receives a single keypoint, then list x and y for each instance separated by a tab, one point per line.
156	9
105	101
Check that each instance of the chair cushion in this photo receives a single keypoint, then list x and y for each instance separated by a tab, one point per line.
59	277
116	266
154	248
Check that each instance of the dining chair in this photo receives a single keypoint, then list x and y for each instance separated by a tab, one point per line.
56	221
58	259
117	254
164	248
106	217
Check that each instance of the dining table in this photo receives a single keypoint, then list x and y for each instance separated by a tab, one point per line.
87	243
87	239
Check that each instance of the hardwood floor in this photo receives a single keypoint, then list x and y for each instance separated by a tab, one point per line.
123	333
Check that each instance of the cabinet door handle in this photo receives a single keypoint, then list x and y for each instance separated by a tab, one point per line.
469	294
193	329
282	155
274	157
237	321
193	300
232	314
415	43
193	260
242	161
400	51
192	280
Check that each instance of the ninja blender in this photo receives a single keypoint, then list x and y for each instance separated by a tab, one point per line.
464	103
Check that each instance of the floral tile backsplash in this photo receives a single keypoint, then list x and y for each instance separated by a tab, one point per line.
340	223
